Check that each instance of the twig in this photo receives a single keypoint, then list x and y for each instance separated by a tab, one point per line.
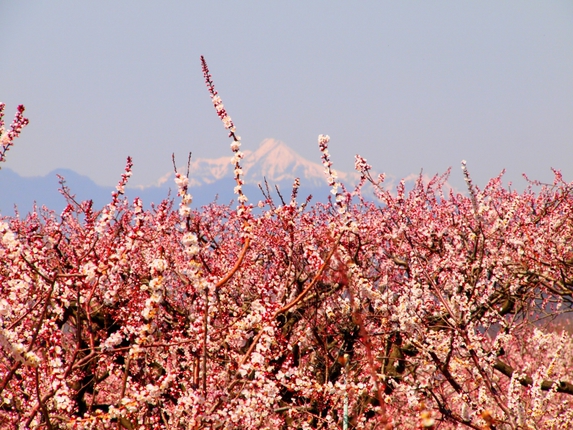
230	274
205	328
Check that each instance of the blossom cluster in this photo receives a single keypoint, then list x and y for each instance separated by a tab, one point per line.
182	183
228	123
331	174
109	211
7	136
425	309
411	314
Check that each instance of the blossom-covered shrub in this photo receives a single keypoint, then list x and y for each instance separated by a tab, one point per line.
425	309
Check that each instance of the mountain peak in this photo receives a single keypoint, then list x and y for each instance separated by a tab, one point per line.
272	149
273	160
270	143
276	162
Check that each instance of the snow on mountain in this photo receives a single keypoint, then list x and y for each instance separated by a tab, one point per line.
272	160
276	162
203	171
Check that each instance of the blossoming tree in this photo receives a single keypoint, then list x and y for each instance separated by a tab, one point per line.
425	309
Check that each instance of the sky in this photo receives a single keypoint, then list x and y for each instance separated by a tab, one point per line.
409	85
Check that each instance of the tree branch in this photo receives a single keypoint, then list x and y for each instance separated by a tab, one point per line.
526	381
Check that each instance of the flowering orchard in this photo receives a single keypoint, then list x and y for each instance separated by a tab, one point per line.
426	309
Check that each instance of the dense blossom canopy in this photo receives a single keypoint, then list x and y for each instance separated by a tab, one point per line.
424	309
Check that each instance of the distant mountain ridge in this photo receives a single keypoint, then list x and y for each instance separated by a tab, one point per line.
209	179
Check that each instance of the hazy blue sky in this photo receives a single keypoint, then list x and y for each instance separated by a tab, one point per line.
408	85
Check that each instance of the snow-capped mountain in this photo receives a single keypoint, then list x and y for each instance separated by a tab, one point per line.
272	160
